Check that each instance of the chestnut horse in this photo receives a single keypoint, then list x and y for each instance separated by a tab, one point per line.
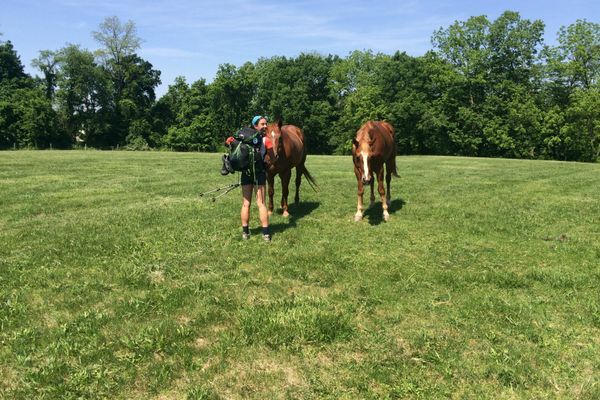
373	146
289	151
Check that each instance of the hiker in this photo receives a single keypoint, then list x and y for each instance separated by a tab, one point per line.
255	174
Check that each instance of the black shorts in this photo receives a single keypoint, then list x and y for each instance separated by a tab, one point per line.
247	178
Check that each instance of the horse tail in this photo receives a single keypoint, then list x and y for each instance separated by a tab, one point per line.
393	166
309	178
307	175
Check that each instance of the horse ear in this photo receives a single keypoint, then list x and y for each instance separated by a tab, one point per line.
279	123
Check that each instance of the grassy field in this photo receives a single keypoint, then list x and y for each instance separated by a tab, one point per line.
117	280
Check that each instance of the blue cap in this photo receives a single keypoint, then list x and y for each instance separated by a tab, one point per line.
256	119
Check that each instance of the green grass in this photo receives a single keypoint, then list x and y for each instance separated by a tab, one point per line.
117	280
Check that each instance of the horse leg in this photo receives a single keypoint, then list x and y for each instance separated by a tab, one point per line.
361	189
271	190
285	183
299	170
381	190
372	192
388	179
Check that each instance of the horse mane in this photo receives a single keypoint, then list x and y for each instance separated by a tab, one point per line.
364	133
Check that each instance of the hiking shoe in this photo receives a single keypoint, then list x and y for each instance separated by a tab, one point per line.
245	236
226	168
267	237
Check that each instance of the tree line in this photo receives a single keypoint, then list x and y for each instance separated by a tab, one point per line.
486	88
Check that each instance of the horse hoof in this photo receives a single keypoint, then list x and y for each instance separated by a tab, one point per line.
286	214
386	217
357	217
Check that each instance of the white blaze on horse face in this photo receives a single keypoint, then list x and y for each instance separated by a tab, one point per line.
365	155
273	141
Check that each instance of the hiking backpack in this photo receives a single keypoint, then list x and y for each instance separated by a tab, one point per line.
245	149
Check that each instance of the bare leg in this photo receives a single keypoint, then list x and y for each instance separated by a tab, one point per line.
246	201
262	208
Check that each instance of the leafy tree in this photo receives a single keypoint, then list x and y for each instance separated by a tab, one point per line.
141	80
465	46
47	62
313	101
194	127
573	68
132	79
83	97
137	97
491	106
583	126
486	89
274	85
297	91
232	93
164	112
404	87
514	46
555	144
27	118
513	117
139	132
577	57
10	64
436	121
359	97
120	40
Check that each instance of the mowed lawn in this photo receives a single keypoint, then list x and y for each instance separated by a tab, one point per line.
118	280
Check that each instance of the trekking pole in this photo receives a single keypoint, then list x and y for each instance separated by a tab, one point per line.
227	189
233	186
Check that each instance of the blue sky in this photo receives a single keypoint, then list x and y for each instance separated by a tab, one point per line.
192	38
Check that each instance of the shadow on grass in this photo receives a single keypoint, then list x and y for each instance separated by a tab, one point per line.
375	214
297	211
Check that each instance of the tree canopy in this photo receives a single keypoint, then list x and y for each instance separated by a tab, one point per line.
486	88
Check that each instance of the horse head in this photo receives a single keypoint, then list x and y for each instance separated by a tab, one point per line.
362	153
274	135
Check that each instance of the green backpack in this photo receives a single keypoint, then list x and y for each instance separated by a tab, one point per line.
245	149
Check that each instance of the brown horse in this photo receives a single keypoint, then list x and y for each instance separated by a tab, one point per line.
289	151
373	146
